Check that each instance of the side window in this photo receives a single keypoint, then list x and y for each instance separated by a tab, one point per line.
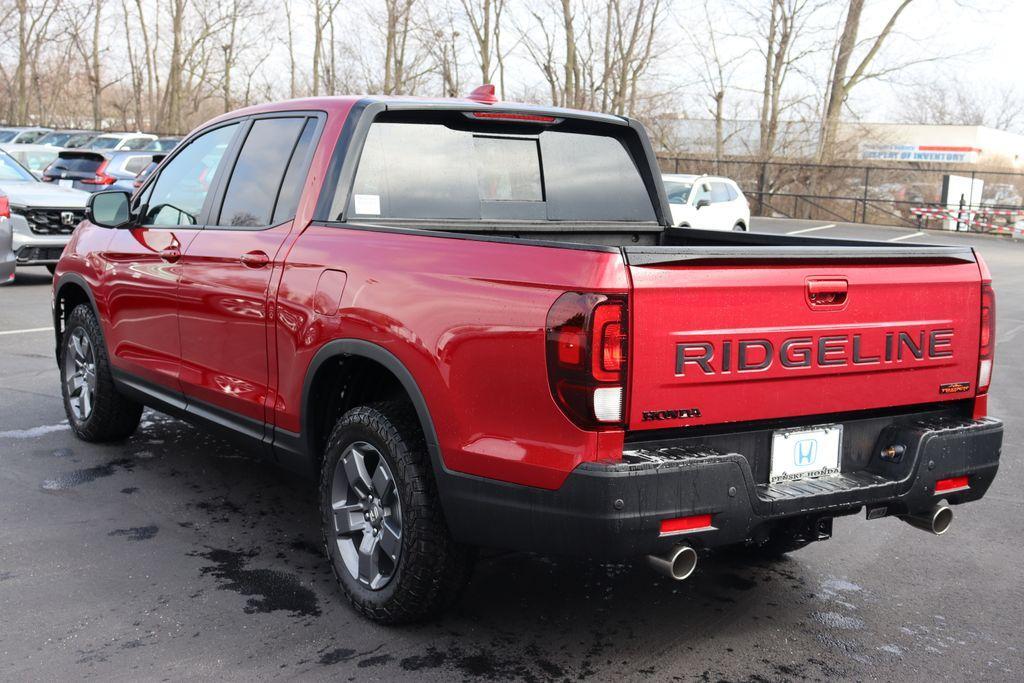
719	193
733	194
137	164
295	176
134	144
256	179
703	192
179	192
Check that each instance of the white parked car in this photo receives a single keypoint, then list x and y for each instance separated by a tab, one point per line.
112	142
706	202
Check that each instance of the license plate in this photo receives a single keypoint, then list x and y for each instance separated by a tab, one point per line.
805	453
66	183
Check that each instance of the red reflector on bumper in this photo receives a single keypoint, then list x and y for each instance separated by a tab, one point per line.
954	484
674	526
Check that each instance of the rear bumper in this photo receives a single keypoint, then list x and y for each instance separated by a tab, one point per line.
615	510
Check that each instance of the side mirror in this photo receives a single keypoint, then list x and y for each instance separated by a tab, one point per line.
701	203
109	209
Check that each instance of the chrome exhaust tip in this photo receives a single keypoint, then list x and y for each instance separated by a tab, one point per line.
678	563
935	522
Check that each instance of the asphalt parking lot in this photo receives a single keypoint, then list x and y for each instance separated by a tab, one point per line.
173	555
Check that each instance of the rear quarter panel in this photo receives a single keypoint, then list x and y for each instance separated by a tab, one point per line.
467	319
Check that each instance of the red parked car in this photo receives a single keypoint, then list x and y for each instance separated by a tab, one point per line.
475	324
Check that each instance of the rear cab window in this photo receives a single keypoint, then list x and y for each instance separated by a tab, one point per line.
449	166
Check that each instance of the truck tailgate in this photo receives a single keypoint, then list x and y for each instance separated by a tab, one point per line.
733	340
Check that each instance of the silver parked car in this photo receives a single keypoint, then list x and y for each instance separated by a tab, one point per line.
22	134
43	216
7	257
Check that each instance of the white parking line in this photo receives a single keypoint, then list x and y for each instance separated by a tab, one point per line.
819	227
33	432
34	329
905	237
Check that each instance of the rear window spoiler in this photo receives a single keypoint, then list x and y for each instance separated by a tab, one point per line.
80	154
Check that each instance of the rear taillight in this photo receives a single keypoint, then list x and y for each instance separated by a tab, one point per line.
100	177
587	345
5	207
987	340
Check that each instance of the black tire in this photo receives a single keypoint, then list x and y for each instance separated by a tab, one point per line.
52	268
111	417
739	227
431	569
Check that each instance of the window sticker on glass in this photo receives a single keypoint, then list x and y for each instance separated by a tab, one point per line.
367	204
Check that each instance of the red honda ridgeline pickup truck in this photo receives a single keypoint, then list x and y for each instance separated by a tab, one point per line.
474	322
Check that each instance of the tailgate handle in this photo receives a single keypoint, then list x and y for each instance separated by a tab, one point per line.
827	292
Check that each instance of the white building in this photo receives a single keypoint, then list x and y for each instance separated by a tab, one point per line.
921	143
936	143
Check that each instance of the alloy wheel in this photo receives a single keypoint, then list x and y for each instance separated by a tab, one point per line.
80	374
367	515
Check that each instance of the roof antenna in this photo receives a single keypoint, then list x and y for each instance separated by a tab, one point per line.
484	94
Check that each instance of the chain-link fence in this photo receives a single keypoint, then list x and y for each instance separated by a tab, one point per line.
885	195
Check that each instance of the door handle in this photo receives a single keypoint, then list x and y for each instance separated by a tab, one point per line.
255	259
171	254
827	292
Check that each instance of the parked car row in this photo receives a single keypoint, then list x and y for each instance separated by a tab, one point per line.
44	185
87	139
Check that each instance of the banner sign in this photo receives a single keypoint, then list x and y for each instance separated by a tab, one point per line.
939	153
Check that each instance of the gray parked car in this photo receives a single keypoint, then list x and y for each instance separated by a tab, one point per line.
7	257
94	170
70	139
43	216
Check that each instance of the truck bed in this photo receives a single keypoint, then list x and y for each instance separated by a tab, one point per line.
650	243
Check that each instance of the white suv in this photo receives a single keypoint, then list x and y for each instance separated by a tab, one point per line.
706	202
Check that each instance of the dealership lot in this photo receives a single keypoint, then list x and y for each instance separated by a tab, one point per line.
174	555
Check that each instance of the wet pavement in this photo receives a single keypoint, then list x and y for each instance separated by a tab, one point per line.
174	555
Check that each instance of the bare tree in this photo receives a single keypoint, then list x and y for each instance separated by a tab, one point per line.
291	50
783	44
841	84
716	74
400	64
484	19
442	44
32	33
82	23
594	55
951	101
323	21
